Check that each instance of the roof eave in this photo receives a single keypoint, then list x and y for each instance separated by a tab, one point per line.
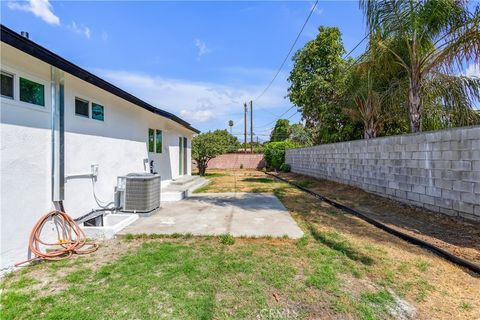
21	43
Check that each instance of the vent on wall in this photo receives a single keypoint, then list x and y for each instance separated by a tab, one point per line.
140	192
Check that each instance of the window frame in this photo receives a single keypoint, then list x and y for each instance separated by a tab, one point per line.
161	141
27	78
75	107
91	111
152	131
155	132
13	84
19	71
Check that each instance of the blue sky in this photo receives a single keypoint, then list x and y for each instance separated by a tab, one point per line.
199	60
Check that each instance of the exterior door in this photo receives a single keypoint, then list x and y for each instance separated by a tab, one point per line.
180	156
184	155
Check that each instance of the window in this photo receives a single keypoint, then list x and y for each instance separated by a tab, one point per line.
97	112
81	107
7	85
31	92
158	141
155	140
151	140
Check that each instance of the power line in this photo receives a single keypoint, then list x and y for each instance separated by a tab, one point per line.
267	124
288	54
346	56
348	68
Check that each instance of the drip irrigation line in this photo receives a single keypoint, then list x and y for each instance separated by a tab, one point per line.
411	239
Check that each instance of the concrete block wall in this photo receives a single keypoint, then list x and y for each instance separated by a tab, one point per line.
438	170
236	160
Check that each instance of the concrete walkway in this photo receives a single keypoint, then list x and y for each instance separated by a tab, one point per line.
240	214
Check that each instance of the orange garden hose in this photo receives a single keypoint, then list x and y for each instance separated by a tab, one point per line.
71	239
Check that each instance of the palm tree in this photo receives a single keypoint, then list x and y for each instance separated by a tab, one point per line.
362	99
431	40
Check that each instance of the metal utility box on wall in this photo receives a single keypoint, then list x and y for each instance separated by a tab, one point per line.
140	192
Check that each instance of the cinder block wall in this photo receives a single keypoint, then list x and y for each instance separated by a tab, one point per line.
235	161
439	170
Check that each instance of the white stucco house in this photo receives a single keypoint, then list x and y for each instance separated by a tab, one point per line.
61	123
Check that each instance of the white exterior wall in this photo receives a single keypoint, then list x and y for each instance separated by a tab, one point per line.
118	145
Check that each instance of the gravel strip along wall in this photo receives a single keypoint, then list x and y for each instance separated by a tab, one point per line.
439	170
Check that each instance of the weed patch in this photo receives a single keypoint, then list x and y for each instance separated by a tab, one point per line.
78	276
227	239
324	277
302	242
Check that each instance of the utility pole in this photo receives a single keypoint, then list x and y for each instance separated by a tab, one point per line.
251	127
245	127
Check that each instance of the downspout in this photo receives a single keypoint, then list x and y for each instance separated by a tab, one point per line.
57	84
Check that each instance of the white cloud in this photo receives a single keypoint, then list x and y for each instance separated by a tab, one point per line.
40	8
80	29
202	48
197	115
195	101
44	10
473	70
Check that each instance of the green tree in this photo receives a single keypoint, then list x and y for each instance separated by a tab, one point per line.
274	153
429	40
207	146
317	82
301	135
281	130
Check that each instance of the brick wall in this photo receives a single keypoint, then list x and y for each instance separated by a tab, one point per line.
234	160
439	170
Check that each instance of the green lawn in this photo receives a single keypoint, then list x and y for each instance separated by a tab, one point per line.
341	268
196	278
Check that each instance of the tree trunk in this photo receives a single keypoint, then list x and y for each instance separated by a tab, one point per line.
202	167
415	107
369	132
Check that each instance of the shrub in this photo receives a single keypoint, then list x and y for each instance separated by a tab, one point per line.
241	166
275	153
285	167
227	239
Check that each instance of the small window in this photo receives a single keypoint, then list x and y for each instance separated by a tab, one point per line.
151	140
81	108
32	92
97	112
7	85
158	141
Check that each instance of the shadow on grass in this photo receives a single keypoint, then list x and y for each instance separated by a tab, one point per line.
260	180
210	174
338	243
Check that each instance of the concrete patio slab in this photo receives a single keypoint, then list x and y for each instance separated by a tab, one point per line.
240	214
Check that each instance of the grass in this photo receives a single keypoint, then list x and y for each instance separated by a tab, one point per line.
466	306
227	239
339	243
341	268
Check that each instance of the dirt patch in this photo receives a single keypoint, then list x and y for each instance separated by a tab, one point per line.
53	274
456	235
437	288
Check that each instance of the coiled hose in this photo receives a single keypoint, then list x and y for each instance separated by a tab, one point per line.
71	239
